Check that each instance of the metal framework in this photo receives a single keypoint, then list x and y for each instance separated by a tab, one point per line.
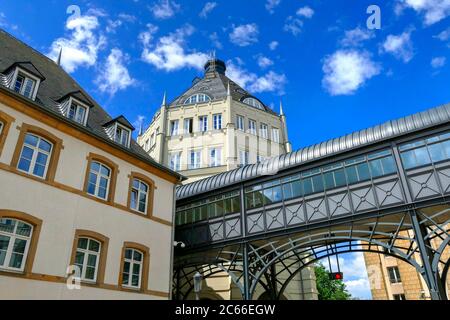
405	214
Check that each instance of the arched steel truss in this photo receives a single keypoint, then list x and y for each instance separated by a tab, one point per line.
407	236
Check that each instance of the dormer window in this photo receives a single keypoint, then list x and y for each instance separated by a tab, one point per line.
25	84
197	98
77	112
254	103
119	130
122	135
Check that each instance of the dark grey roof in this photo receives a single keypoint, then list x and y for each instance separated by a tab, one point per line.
389	129
215	85
58	84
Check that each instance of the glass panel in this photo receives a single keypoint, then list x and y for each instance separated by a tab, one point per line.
307	186
39	170
437	152
137	256
23	229
31	139
90	273
7	225
422	156
4	242
104	171
41	158
133	201
446	146
126	267
363	171
24	164
388	165
94	246
16	260
103	182
92	260
135	280
125	278
136	268
287	191
44	145
128	253
375	168
351	174
142	206
19	246
329	180
95	166
82	243
79	258
339	177
91	188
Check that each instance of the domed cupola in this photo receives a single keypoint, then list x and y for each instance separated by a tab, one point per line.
215	65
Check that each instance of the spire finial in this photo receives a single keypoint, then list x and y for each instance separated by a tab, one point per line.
140	127
228	90
164	100
58	60
281	107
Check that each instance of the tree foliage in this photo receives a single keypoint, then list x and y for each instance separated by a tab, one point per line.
329	289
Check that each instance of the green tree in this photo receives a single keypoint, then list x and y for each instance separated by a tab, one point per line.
329	289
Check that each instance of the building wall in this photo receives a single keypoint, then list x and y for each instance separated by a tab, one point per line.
63	208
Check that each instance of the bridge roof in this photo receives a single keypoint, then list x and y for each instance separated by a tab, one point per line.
365	137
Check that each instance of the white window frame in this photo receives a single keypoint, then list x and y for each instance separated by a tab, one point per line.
87	252
244	157
78	104
123	128
97	180
174	127
187	125
253	103
26	74
240	123
197	98
177	164
252	126
132	262
197	164
263	130
217	121
203	124
138	196
36	151
275	137
12	239
215	161
2	125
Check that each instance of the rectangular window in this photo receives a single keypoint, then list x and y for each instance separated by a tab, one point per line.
152	140
217	121
243	158
87	258
215	157
275	135
399	296
173	127
99	180
175	161
122	135
252	126
24	85
139	194
35	156
77	113
132	268
195	158
15	238
188	125
394	275
263	130
203	123
240	123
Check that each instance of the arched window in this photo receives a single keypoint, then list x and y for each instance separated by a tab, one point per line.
140	198
35	155
99	180
254	103
132	268
15	239
87	258
197	98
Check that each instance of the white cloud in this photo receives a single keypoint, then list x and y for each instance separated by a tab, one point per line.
4	22
169	53
432	10
269	82
271	4
345	71
81	46
112	25
306	12
264	62
209	6
244	35
443	35
400	46
438	62
355	37
273	45
139	122
114	74
215	40
127	17
164	9
293	25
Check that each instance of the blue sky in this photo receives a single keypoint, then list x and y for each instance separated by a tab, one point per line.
334	74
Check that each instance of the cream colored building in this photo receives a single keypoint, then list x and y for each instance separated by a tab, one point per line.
77	216
213	127
393	279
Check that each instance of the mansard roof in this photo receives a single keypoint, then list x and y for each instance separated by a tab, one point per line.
215	84
357	139
59	84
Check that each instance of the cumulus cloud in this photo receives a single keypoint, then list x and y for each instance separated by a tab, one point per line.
271	5
264	62
168	53
269	82
345	71
244	35
400	46
81	45
356	37
432	11
438	62
443	35
209	6
293	25
164	9
306	12
114	75
273	45
214	37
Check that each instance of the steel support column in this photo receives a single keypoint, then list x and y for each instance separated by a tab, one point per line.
432	279
246	294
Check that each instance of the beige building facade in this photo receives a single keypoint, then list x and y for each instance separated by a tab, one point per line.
78	218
